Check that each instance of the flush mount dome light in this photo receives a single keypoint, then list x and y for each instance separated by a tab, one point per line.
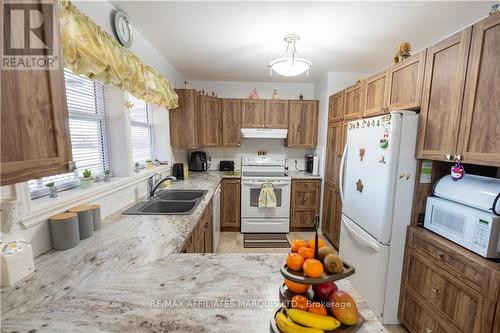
290	64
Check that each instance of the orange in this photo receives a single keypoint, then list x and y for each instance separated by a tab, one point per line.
297	244
300	302
313	268
306	252
297	288
311	243
295	261
317	308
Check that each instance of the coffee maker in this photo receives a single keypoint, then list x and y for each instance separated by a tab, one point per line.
198	161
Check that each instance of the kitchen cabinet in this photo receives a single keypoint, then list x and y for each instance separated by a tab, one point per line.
210	125
480	135
302	124
375	95
331	213
231	122
276	114
184	120
336	107
253	113
446	287
200	239
230	204
405	83
34	122
444	83
352	104
305	202
334	149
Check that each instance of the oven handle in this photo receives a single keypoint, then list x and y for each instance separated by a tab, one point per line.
260	183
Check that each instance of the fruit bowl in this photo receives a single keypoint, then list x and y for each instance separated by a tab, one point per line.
286	294
300	277
341	329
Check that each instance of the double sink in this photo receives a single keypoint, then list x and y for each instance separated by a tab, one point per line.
169	202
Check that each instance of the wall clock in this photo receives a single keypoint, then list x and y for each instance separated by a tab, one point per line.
122	28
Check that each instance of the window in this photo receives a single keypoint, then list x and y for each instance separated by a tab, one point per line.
141	130
85	99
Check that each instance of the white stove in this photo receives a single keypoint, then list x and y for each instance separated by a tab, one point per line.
256	171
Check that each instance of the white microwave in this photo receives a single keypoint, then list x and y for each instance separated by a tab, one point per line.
474	229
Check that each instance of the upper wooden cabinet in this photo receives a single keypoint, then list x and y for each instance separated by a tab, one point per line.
336	107
253	113
405	83
231	122
479	139
35	130
352	105
375	95
276	114
302	124
443	95
210	125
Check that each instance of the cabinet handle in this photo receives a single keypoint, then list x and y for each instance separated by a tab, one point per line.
305	199
428	330
435	290
440	255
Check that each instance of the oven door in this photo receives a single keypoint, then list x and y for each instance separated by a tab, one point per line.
250	192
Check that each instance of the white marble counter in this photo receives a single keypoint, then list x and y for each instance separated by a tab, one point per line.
302	175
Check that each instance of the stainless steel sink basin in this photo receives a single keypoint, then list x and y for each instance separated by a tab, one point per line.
181	194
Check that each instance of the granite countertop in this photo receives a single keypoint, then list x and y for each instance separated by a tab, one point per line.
302	175
129	277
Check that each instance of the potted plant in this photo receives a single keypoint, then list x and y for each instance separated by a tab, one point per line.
87	179
52	190
149	164
107	175
137	167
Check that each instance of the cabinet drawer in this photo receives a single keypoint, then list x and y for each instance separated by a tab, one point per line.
469	310
465	266
305	199
418	319
306	184
303	218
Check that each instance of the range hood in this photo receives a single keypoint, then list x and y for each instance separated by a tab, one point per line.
264	133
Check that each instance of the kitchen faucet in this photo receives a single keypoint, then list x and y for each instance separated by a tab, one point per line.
152	186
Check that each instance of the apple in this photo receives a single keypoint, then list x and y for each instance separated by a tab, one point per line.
343	307
322	291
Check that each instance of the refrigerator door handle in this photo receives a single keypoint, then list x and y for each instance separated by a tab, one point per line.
341	175
360	238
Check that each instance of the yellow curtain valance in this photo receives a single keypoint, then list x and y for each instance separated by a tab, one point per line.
88	50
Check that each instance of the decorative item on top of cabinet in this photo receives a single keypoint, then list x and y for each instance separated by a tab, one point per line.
352	105
305	201
34	121
405	83
253	113
403	52
331	213
231	122
480	135
374	101
230	204
443	92
275	94
336	106
276	114
302	124
253	94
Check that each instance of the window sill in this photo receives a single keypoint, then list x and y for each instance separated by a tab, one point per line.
43	208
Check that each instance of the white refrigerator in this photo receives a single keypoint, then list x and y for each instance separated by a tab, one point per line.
377	178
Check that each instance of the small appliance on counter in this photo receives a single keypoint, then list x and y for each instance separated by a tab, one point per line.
226	165
178	171
198	161
17	262
312	164
467	212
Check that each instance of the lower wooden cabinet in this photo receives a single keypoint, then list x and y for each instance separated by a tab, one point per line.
230	205
446	288
304	203
200	239
332	210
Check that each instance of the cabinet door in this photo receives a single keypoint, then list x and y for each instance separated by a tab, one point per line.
231	122
352	108
183	120
34	122
479	141
305	194
303	124
331	213
405	83
253	113
303	218
276	115
212	122
336	107
208	232
333	151
375	95
230	204
444	83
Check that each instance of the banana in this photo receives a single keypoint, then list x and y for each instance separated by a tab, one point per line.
287	326
313	320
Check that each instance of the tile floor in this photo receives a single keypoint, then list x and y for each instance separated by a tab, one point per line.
232	242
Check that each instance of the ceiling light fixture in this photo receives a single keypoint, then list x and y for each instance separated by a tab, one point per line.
290	64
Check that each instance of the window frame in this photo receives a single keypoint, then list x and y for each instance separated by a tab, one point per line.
148	124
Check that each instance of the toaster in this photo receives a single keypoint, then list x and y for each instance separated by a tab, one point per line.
226	166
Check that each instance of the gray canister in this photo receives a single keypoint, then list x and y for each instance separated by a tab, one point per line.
64	230
85	220
96	212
